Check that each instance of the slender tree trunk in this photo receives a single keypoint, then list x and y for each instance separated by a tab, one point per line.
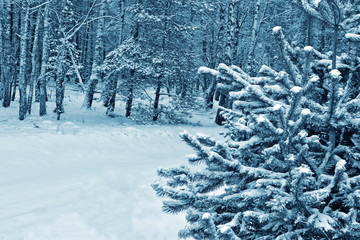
221	35
221	54
60	82
210	94
111	95
219	119
332	132
204	52
44	62
89	49
109	92
335	44
255	32
222	102
156	101
231	23
14	84
188	85
22	71
136	35
2	65
322	38
129	101
84	50
309	22
98	58
34	61
37	90
240	19
15	23
122	20
130	94
7	57
15	48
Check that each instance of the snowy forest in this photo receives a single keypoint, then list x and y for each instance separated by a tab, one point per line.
94	94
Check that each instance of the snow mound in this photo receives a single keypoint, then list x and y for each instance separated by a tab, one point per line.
308	48
276	30
277	107
305	112
340	165
296	89
314	78
335	73
206	216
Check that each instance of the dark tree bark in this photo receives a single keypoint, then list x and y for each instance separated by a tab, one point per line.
156	101
130	96
222	102
6	77
111	95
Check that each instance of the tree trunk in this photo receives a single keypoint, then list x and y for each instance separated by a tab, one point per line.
332	132
309	20
204	54
60	91
210	93
2	65
34	61
188	85
98	58
7	54
334	48
111	95
44	62
122	20
14	84
22	70
156	101
60	82
109	92
130	94
231	23
254	33
15	23
222	102
221	35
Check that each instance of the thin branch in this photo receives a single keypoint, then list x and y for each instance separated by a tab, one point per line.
40	5
75	29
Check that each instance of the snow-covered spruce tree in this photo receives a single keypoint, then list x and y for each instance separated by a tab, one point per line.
279	174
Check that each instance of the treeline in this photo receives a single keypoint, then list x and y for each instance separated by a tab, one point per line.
130	46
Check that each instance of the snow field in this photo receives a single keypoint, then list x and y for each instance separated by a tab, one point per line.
86	177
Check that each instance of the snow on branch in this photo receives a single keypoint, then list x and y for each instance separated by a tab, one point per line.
227	72
288	53
353	37
206	70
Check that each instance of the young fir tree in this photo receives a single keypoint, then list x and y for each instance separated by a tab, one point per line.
278	175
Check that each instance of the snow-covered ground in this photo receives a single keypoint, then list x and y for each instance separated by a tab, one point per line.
86	177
